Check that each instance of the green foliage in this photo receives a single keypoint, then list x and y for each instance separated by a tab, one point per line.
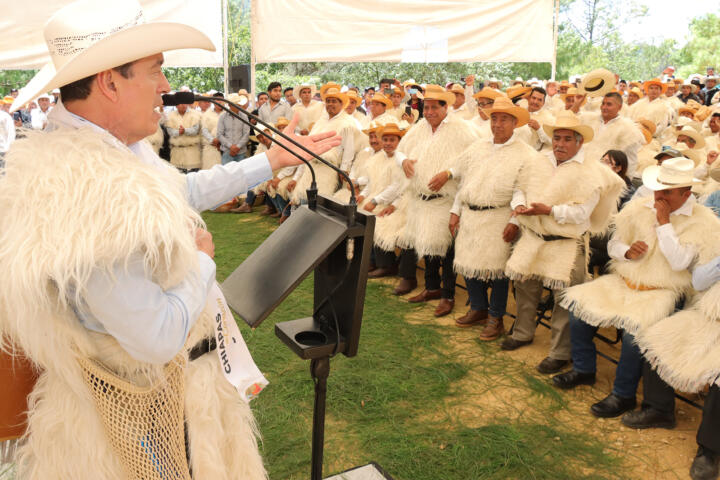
14	79
703	49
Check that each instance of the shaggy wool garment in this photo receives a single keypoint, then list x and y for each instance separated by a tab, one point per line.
185	149
488	176
211	156
609	301
427	222
80	206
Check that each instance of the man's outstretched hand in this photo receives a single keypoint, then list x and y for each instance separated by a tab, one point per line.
318	144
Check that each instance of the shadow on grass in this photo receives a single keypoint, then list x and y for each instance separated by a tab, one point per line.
389	404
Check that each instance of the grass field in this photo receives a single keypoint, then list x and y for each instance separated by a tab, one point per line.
413	400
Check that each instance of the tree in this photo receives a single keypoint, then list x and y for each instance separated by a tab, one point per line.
703	49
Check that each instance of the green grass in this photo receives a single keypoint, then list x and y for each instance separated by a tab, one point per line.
390	403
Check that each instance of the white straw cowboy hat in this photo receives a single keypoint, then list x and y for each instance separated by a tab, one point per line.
90	36
566	120
303	86
689	131
672	173
597	83
504	105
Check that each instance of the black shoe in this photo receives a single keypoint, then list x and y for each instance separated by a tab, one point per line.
648	418
511	344
612	406
551	365
705	465
572	379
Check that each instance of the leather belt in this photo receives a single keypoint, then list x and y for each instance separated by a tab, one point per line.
201	348
427	198
551	238
479	208
641	288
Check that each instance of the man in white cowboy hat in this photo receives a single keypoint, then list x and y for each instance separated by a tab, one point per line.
334	119
183	127
655	244
39	115
485	99
431	147
104	299
691	143
653	106
555	212
308	108
488	171
612	131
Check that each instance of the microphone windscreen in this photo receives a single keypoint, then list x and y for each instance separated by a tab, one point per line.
169	100
185	97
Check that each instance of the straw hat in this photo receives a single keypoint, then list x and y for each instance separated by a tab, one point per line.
495	81
281	123
87	37
504	105
7	100
597	83
572	91
299	88
715	174
353	95
637	92
655	81
334	92
327	86
488	92
687	109
566	120
646	133
391	129
648	124
372	127
436	92
241	100
379	97
518	91
672	173
703	112
692	133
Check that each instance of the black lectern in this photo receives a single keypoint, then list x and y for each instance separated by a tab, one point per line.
334	241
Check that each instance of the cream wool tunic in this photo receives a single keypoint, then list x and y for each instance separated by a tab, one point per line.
185	149
427	224
656	111
326	178
385	177
684	348
609	301
51	241
156	139
619	134
210	155
309	114
488	176
571	183
481	127
537	139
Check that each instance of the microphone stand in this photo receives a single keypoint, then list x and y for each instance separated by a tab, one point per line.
216	100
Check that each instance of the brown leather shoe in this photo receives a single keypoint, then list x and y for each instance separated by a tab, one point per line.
426	295
444	307
275	214
493	329
267	210
471	318
405	286
244	208
282	219
383	272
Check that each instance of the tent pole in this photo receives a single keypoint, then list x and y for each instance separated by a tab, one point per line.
556	21
253	9
226	54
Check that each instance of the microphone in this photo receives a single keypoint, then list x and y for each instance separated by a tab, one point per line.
189	97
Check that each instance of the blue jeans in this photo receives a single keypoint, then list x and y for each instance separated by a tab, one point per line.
227	158
282	205
584	357
477	291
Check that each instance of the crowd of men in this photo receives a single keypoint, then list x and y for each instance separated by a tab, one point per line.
592	189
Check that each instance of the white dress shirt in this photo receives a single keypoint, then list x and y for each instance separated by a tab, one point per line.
678	255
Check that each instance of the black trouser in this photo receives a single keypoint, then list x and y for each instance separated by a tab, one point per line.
432	273
708	435
408	264
383	258
656	393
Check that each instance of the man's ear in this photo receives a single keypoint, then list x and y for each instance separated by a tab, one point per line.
105	82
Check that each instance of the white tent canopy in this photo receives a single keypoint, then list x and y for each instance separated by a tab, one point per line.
22	45
402	31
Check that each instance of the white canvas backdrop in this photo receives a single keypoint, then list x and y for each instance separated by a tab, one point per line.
402	30
22	45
